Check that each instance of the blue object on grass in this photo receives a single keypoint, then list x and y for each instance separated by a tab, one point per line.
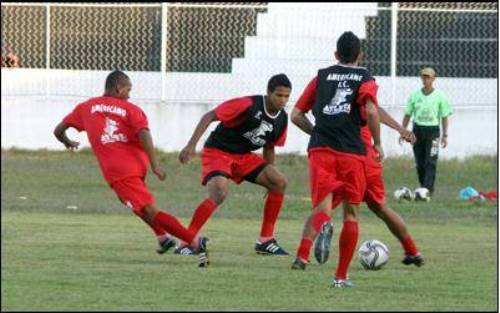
467	193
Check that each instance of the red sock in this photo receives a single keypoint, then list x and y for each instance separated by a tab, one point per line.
201	214
159	231
409	246
318	220
271	211
173	226
347	244
304	249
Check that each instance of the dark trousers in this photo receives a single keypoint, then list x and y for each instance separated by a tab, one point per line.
426	151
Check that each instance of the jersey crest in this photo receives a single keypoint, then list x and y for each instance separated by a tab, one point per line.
109	135
258	135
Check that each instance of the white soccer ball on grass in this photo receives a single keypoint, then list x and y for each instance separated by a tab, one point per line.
422	194
403	194
373	254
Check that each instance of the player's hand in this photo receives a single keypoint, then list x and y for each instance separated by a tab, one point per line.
72	145
444	142
407	136
159	172
380	153
186	154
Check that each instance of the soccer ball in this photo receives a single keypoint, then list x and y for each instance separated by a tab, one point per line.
422	194
373	254
403	193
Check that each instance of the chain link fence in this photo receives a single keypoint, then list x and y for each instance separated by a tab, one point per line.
229	49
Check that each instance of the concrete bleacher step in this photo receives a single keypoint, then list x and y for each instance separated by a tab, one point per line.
299	38
290	47
280	65
313	19
309	25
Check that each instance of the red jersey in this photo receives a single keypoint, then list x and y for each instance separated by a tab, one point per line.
112	127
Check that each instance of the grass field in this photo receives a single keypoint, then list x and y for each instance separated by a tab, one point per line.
99	256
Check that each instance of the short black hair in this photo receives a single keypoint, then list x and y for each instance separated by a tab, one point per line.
279	80
115	78
348	47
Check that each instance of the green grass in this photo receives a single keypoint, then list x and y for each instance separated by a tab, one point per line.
101	257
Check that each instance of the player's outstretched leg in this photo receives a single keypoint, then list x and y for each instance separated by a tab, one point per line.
275	183
320	215
217	192
347	244
170	223
398	228
165	241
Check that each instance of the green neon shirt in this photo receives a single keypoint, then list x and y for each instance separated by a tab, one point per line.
427	110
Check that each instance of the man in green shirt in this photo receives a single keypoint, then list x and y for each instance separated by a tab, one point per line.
428	107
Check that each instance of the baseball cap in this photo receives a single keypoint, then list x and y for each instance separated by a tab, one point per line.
428	71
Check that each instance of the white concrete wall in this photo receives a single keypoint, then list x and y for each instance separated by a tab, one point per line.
29	118
214	87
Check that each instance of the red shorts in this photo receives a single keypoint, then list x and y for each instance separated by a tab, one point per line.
342	174
375	190
133	192
238	167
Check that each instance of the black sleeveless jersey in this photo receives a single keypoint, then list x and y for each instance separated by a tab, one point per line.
337	115
257	129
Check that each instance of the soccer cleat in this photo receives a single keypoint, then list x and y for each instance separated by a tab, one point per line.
323	243
165	245
418	260
185	250
341	283
269	247
298	264
202	250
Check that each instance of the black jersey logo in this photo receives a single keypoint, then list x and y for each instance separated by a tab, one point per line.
258	135
339	103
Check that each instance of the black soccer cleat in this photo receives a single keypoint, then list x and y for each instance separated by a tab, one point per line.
202	251
418	260
269	247
323	243
165	245
298	264
185	250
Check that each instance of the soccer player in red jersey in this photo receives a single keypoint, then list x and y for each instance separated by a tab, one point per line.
119	135
343	99
245	124
375	199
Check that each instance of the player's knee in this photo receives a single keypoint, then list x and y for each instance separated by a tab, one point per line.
218	195
350	213
148	211
280	184
350	217
376	208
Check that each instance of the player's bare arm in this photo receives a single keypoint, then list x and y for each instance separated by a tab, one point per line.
189	150
60	133
300	119
387	119
373	121
444	135
268	153
147	144
406	121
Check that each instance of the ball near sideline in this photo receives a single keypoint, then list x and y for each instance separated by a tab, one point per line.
373	254
422	194
403	193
